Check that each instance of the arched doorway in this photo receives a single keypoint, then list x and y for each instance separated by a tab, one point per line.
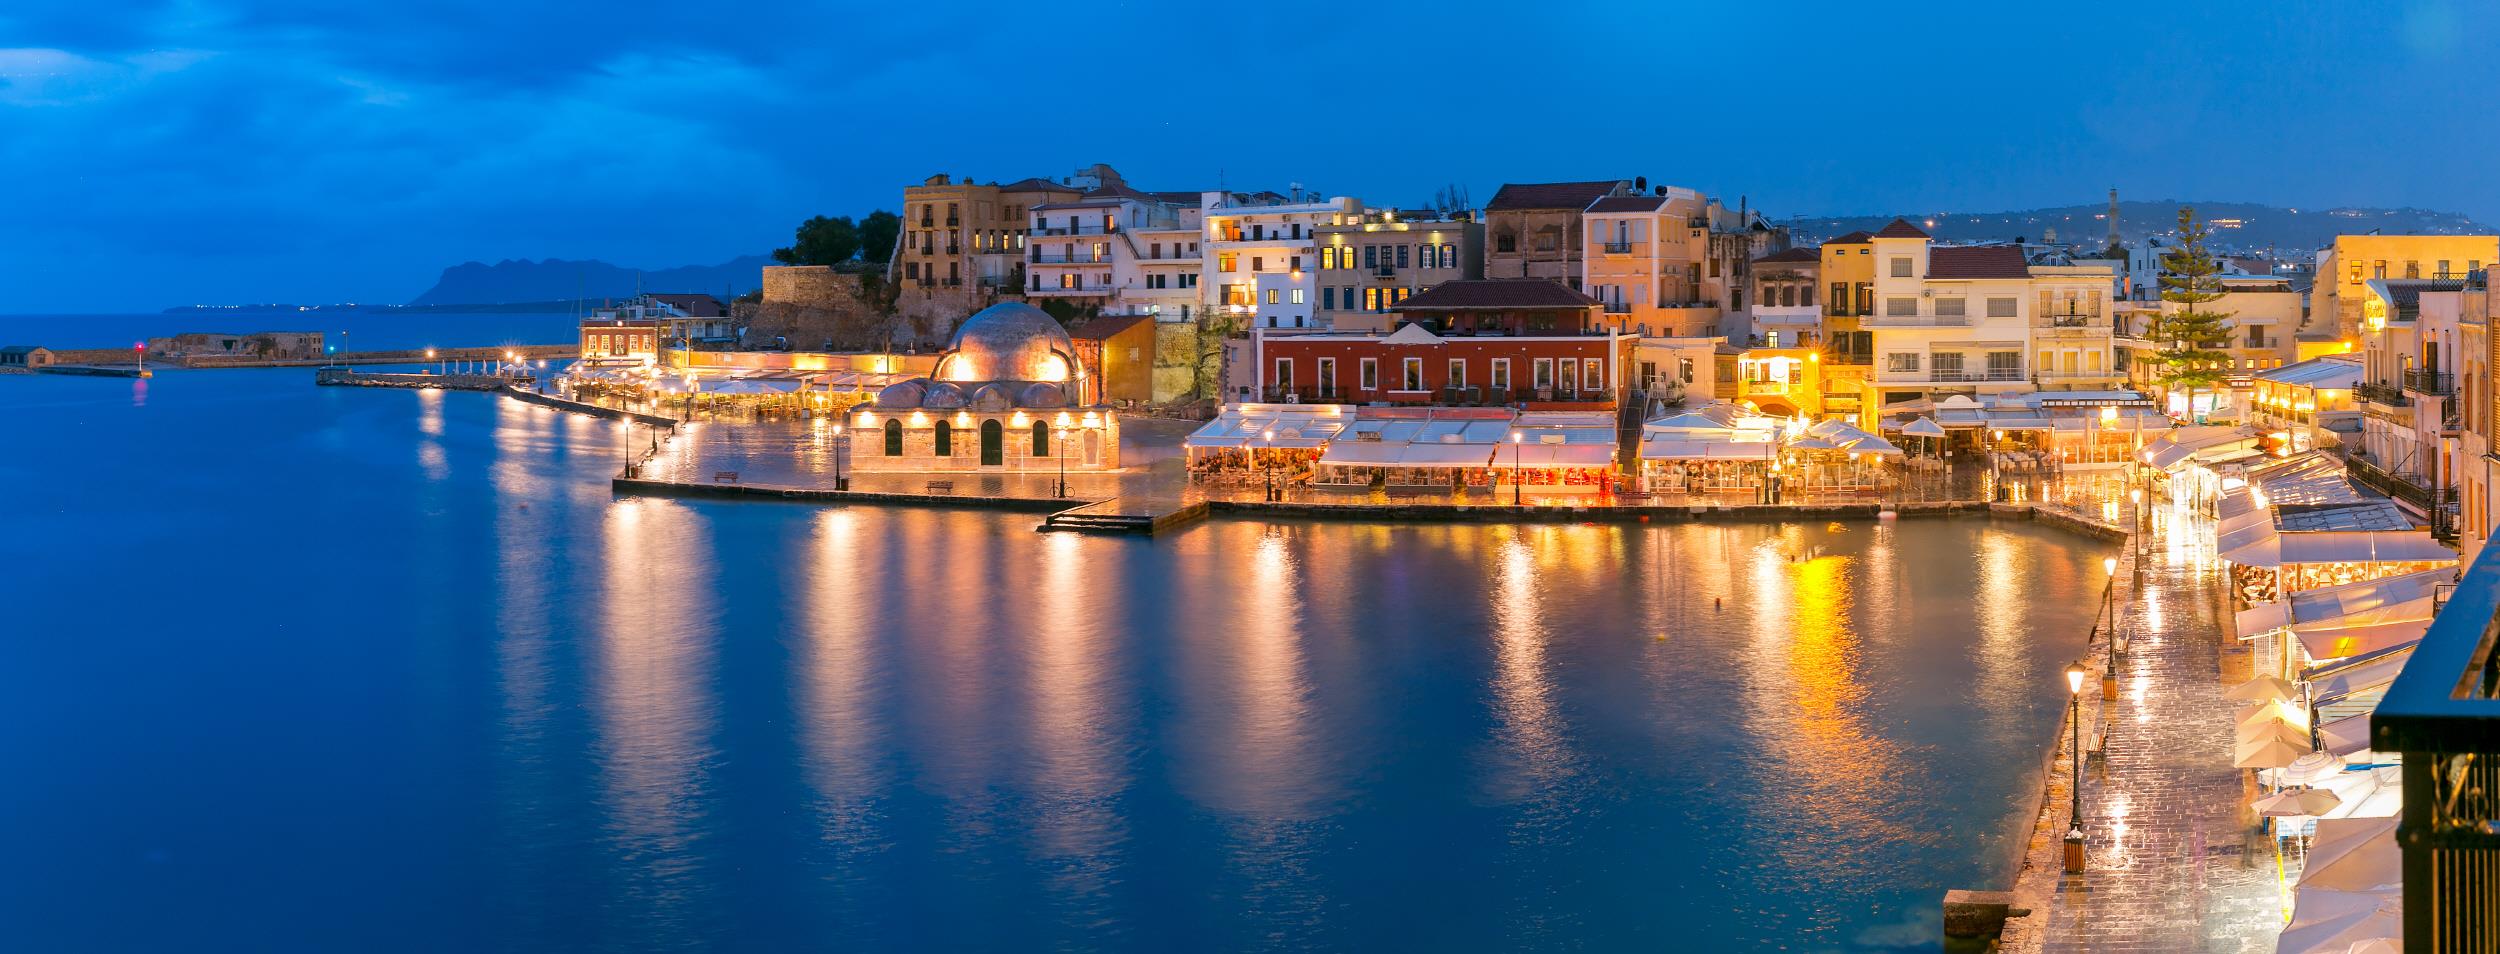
993	443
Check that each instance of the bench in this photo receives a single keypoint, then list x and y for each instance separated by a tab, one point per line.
724	476
941	486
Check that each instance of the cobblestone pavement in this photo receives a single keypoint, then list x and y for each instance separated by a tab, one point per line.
2175	862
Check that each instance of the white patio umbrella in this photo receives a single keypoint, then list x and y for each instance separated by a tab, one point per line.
2276	712
2377	945
2331	922
2261	689
2312	769
2272	745
2299	801
2353	854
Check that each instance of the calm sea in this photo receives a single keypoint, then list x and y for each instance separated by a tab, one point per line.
298	668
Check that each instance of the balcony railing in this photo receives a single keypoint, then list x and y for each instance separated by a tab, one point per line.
2072	321
2381	392
2050	374
1071	230
2442	715
2430	381
1975	375
1307	394
1618	308
1618	248
1901	321
1064	258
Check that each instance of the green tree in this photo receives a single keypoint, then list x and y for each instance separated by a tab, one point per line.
822	241
2191	336
876	235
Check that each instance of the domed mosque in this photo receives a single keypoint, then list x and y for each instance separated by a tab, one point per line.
1006	394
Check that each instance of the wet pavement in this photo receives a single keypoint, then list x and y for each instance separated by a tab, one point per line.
2176	864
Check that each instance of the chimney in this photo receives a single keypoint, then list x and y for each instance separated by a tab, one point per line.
2113	216
1640	183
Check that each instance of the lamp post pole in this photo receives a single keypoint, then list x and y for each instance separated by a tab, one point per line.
1267	463
2074	719
1063	463
1515	451
839	482
2109	591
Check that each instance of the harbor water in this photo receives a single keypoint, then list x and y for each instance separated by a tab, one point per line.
298	668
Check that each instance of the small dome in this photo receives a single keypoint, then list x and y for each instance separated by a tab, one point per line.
903	394
1008	341
1042	394
943	394
992	397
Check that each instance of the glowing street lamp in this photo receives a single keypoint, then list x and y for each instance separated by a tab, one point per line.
2074	718
2109	598
1268	465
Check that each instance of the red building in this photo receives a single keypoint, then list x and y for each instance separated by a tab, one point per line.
1532	344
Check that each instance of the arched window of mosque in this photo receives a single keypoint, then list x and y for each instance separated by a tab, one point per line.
945	439
1041	439
893	438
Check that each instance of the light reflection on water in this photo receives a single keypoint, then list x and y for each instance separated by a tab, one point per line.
594	722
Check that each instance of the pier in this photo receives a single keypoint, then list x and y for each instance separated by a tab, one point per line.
348	377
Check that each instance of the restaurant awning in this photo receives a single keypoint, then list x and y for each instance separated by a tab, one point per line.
2346	677
2360	640
2366	546
1362	453
1446	455
1669	448
1557	455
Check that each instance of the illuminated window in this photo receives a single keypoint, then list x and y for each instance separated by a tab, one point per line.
1458	374
1412	369
893	438
1284	372
1297	296
1271	296
1371	374
1594	375
1224	261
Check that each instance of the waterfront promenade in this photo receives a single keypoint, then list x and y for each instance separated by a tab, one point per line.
2174	862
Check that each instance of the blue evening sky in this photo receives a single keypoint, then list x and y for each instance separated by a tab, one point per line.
158	153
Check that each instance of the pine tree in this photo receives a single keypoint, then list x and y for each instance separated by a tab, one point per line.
2191	337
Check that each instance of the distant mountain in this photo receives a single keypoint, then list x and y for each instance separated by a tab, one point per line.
510	281
2238	226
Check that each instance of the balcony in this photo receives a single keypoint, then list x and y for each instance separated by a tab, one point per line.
1976	376
1059	291
2381	392
1383	271
1618	308
1064	258
1914	321
2105	374
2442	715
2075	321
2430	381
1618	248
1289	394
1071	230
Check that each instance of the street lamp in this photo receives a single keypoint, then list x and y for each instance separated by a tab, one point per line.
839	482
1267	463
1516	449
429	356
2074	718
2109	591
1063	462
2136	502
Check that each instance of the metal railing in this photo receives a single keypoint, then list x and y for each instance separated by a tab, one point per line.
1071	230
1618	248
1957	375
1064	258
2381	392
1618	308
2430	381
2443	715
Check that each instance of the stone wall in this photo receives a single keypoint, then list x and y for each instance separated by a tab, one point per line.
964	444
813	307
1176	360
